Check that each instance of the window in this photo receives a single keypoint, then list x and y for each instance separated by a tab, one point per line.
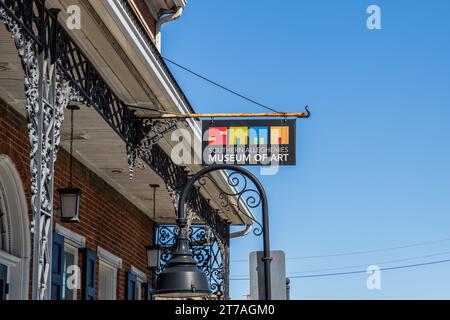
107	274
107	281
71	276
135	281
138	290
66	274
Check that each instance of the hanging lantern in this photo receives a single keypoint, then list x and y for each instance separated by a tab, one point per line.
152	257
70	197
70	204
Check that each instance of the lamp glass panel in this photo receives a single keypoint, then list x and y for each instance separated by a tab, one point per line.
152	257
69	205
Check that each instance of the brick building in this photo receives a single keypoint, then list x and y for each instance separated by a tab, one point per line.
109	65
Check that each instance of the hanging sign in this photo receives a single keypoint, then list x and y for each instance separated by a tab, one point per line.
249	142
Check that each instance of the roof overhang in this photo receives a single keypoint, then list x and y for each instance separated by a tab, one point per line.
160	7
136	73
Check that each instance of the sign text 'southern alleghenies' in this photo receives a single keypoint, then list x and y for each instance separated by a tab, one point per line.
249	142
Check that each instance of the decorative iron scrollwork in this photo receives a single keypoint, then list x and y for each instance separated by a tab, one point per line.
66	75
151	131
206	250
238	196
34	31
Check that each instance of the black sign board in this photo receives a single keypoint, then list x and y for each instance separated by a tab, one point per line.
249	142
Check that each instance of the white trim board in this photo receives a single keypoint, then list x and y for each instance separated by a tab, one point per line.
109	257
70	236
141	276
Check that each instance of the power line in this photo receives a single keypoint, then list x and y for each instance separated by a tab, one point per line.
358	271
219	85
352	253
378	263
363	265
381	269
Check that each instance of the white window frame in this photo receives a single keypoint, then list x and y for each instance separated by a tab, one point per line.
141	278
16	255
112	294
138	293
72	243
74	251
9	261
110	262
73	238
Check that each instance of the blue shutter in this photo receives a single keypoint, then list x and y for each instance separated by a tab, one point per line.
58	262
89	272
131	286
148	291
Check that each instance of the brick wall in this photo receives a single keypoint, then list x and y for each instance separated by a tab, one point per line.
107	219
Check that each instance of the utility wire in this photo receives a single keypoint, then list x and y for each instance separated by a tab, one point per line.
359	271
219	85
377	263
381	269
361	265
352	253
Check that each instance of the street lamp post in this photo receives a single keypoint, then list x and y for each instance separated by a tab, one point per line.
181	278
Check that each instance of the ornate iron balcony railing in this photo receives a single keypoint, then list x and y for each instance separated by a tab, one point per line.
57	72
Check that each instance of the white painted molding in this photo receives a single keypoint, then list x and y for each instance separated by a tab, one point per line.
142	277
109	257
13	200
8	259
71	237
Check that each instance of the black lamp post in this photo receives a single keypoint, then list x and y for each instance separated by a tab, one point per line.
182	278
70	196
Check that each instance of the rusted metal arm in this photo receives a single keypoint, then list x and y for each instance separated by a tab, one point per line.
305	114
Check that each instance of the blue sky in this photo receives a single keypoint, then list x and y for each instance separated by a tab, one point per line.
373	163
